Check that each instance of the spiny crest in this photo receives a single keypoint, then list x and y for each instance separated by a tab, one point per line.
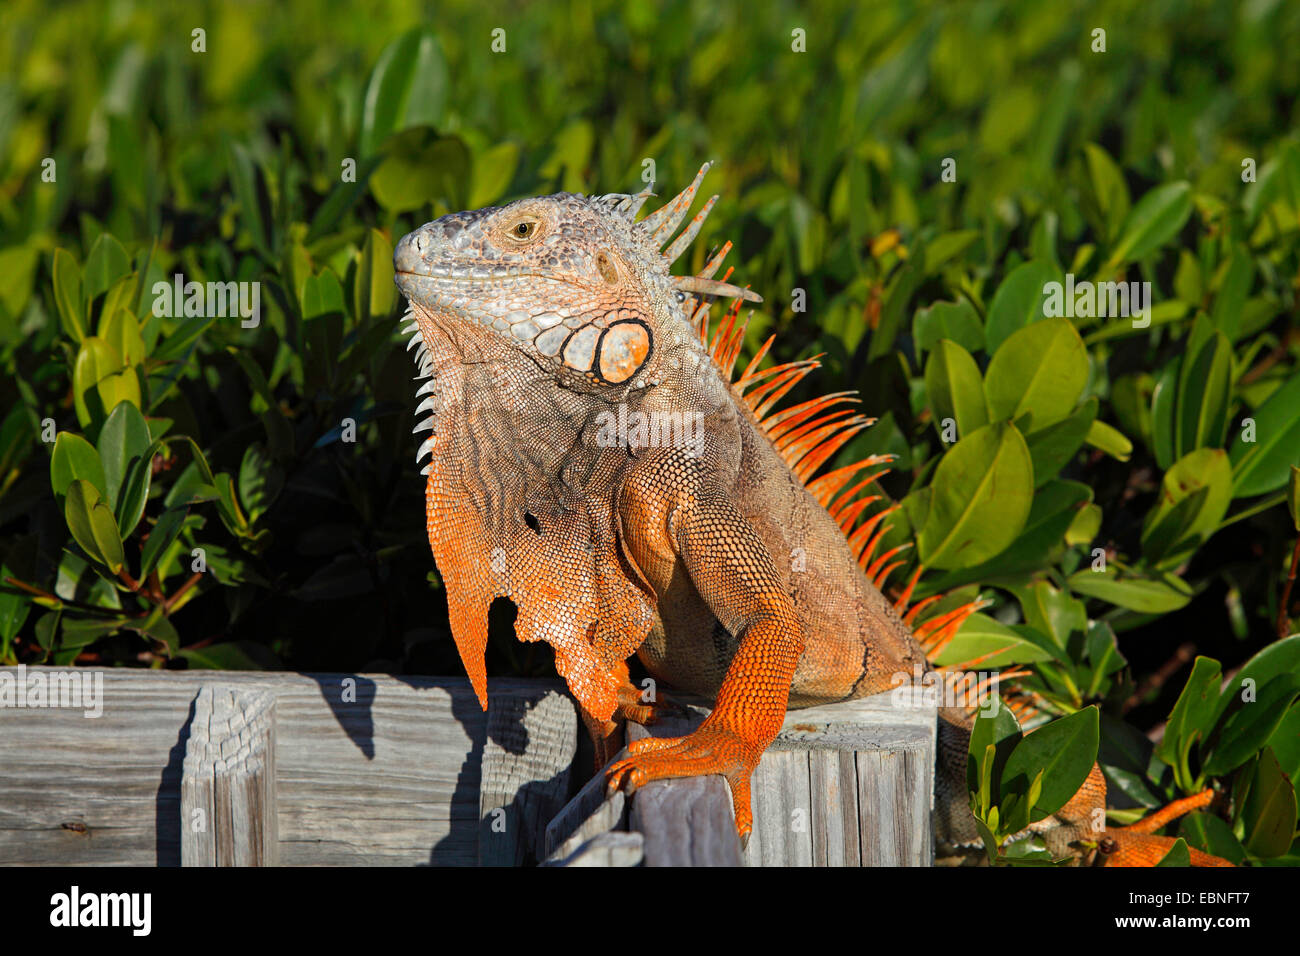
809	434
657	228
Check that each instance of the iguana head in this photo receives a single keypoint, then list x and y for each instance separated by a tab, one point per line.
573	281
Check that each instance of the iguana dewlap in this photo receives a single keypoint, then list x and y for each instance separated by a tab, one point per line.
591	459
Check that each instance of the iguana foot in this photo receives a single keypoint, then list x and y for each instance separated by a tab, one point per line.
707	750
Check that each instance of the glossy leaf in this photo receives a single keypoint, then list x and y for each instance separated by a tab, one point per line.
1040	372
1149	595
980	498
1063	751
1151	223
1264	464
954	388
91	522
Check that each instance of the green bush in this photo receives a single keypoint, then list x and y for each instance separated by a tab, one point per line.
201	491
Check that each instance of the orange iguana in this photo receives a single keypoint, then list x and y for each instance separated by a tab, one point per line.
592	460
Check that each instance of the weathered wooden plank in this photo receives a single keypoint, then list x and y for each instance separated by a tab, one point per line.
370	769
894	823
525	779
834	779
588	814
608	849
228	806
686	822
782	803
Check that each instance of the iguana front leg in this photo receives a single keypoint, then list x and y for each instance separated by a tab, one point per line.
734	574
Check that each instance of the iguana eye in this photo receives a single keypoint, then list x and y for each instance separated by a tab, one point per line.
523	230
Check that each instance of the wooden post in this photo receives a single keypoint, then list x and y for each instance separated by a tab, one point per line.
847	784
228	805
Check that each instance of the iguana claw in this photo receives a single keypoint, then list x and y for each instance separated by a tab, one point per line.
707	750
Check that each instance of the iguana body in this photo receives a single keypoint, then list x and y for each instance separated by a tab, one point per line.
551	330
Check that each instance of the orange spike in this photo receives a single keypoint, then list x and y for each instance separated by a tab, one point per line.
910	618
825	488
864	542
753	364
901	604
715	260
782	422
848	496
817	457
807	437
849	514
880	579
881	561
789	373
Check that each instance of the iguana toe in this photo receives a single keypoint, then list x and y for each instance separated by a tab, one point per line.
706	751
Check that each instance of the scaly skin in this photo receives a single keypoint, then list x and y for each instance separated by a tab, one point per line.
707	555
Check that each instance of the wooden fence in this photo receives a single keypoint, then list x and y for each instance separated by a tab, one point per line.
248	768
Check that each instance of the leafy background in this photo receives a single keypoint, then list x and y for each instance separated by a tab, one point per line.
170	434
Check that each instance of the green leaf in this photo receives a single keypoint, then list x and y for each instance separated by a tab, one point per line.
1246	725
1039	371
955	321
1018	302
373	291
1279	658
1155	220
952	383
160	538
91	522
1286	743
341	198
1055	508
67	295
74	458
1269	813
996	727
947	246
1234	287
120	329
1204	390
408	87
980	498
1063	751
100	380
249	186
1194	497
1109	439
260	481
980	635
1163	394
1144	594
1178	856
1109	190
421	167
1209	834
1263	464
1052	448
494	170
1193	713
106	263
124	437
